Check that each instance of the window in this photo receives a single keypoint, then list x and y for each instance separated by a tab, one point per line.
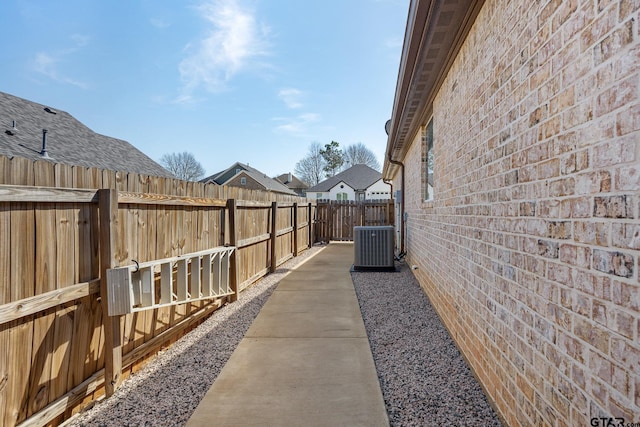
243	181
318	195
341	196
427	161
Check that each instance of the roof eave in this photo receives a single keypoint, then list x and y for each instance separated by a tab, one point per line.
434	34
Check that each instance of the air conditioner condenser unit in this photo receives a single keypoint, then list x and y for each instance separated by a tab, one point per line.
373	248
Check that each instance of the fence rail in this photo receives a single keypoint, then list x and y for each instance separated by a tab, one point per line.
62	227
335	219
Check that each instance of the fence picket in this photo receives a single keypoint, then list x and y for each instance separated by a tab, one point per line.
57	238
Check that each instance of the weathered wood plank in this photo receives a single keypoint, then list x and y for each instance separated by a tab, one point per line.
253	240
162	199
233	261
45	281
22	284
113	350
274	235
5	297
44	301
20	193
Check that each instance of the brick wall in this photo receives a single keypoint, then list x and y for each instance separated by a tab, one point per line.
530	249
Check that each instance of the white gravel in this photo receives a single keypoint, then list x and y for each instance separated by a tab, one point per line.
167	390
424	379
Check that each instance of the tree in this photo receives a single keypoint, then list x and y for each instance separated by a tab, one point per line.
359	154
310	168
332	155
183	165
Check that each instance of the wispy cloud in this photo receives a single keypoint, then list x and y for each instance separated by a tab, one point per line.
233	44
291	97
394	42
49	64
296	126
159	23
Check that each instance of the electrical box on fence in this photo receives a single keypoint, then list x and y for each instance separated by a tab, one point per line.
373	247
170	281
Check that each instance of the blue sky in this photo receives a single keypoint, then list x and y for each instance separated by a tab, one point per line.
255	81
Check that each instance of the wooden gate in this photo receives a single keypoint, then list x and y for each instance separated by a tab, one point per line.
335	219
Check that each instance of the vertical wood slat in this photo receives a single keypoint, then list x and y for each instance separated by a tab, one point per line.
45	269
80	227
274	238
5	297
295	229
108	205
310	224
232	208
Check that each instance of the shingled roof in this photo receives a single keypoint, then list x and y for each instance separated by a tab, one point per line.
269	184
359	177
68	140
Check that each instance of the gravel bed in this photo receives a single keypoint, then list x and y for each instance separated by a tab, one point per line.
167	390
424	379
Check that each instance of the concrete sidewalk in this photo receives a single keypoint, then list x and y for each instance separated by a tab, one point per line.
305	361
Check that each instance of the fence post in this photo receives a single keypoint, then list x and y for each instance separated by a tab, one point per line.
274	229
108	208
311	224
233	239
295	229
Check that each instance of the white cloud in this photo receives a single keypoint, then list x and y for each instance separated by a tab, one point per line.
291	97
233	44
48	64
297	126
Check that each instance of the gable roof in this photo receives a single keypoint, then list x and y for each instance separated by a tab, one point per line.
68	140
269	184
358	177
294	183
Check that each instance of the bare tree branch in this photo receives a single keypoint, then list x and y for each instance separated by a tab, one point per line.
359	154
311	168
183	166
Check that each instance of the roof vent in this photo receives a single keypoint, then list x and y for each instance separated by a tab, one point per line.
49	110
13	129
44	152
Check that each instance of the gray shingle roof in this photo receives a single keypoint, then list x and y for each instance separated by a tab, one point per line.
268	183
294	183
68	140
358	177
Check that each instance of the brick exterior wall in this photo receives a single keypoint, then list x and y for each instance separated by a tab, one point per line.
530	249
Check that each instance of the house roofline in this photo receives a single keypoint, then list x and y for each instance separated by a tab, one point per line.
434	35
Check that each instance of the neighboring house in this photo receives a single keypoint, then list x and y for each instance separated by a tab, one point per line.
293	183
38	132
241	175
359	182
526	238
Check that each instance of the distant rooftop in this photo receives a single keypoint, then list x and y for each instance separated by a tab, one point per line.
359	177
68	141
269	184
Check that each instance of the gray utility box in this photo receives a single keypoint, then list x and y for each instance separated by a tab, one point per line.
373	248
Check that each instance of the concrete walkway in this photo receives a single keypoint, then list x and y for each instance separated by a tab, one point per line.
305	361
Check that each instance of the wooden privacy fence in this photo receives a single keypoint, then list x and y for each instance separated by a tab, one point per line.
63	227
335	219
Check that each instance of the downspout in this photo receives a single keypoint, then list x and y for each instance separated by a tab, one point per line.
402	198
